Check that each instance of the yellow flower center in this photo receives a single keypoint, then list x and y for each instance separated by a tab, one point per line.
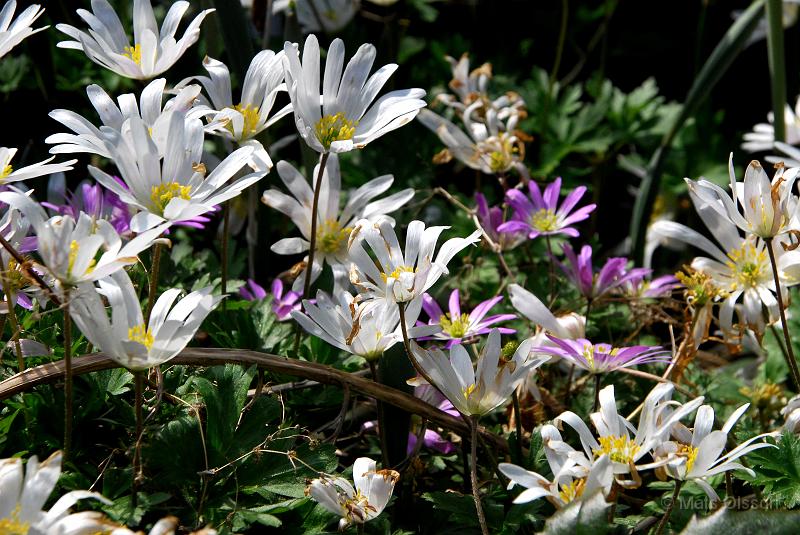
502	151
13	278
251	117
73	255
765	396
619	449
544	220
455	327
163	193
396	273
700	289
748	266
468	390
331	237
570	492
690	452
11	525
7	170
134	53
142	335
334	128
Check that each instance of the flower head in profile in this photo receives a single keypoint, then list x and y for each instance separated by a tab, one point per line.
14	281
282	303
125	337
580	271
539	214
357	503
762	137
468	85
491	218
343	116
476	392
334	221
152	52
9	174
696	454
327	16
14	31
166	179
640	287
400	275
24	492
603	358
457	325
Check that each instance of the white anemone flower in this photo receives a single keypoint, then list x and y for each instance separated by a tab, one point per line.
334	222
125	337
329	16
165	526
149	107
567	326
697	454
8	174
763	135
152	52
400	276
69	249
14	31
242	121
336	320
791	415
614	431
343	117
359	503
468	85
492	146
477	392
24	492
176	188
769	208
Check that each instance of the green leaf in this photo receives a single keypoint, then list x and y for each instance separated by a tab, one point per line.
728	522
778	470
583	517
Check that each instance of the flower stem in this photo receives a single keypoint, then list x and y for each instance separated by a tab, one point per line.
67	377
777	66
226	221
473	473
518	424
663	524
15	330
381	418
407	345
138	378
596	392
153	286
790	360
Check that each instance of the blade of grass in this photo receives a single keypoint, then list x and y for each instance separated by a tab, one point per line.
777	65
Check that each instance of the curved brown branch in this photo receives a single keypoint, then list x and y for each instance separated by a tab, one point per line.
49	373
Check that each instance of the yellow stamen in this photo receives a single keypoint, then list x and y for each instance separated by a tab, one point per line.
7	170
73	255
700	289
134	53
251	118
749	266
161	195
334	128
11	525
570	492
142	335
620	449
544	220
396	273
690	452
469	390
331	237
455	327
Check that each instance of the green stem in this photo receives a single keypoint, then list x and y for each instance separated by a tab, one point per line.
153	286
518	424
67	377
381	418
226	221
562	34
407	345
15	330
663	524
138	379
790	360
777	66
596	392
473	473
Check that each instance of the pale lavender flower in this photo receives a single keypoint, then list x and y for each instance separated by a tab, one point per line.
641	287
490	219
581	273
282	304
540	215
457	325
602	358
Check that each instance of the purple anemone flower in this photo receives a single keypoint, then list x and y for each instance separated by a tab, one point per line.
282	305
457	325
95	201
603	358
641	287
491	218
581	273
539	214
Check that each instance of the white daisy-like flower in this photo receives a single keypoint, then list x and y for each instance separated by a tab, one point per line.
400	276
24	492
335	319
125	337
477	392
697	454
176	187
69	249
14	31
614	431
334	223
468	85
328	16
763	135
100	140
152	51
343	117
242	121
8	174
769	208
359	503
